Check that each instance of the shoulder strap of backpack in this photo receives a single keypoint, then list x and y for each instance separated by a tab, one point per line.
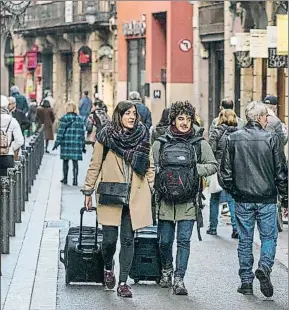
8	126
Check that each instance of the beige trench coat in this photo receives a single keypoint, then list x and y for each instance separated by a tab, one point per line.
112	171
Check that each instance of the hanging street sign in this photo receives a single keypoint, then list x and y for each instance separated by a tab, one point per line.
15	7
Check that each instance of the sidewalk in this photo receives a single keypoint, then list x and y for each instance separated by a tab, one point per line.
29	278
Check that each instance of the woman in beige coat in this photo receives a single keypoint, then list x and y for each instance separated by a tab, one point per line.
122	155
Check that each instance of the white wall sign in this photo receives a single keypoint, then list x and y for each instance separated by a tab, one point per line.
243	42
185	45
68	11
272	36
157	94
258	43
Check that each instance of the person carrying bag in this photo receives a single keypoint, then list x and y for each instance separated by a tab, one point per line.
123	160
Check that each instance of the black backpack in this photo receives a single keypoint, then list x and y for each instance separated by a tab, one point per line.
178	180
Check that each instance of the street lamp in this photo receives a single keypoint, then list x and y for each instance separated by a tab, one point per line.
90	14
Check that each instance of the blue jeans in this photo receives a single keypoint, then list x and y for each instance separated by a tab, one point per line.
166	231
214	208
246	216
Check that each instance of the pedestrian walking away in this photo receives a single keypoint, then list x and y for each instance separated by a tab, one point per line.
226	125
21	101
181	157
253	170
71	139
45	115
96	120
142	110
122	157
226	103
85	104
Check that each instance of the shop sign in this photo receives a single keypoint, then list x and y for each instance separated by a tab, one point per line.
258	43
68	11
276	61
134	28
84	56
242	42
31	58
243	59
38	71
282	34
18	64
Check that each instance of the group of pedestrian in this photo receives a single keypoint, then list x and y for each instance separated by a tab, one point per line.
169	162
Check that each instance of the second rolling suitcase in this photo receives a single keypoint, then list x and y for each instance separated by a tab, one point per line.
146	264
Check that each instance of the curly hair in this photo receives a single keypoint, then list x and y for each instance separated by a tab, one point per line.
182	107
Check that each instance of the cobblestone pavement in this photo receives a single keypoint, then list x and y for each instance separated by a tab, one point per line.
33	277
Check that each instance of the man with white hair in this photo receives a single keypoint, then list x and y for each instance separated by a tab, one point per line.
10	128
142	110
253	170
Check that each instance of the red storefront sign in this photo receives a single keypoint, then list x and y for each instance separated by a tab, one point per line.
18	64
84	56
31	58
38	71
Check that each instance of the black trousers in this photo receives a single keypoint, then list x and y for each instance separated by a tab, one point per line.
110	236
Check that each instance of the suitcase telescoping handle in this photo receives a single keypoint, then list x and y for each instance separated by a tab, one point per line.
82	210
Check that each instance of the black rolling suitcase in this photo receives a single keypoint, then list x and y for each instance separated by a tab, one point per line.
82	255
146	264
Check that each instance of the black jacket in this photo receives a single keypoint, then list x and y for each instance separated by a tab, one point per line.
253	166
22	119
218	138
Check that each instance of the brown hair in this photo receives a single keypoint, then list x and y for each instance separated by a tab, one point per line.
228	117
119	111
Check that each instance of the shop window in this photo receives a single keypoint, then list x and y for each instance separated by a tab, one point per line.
136	65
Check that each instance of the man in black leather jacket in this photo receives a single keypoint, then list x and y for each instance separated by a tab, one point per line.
253	170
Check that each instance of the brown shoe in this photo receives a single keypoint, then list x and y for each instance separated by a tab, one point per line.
124	290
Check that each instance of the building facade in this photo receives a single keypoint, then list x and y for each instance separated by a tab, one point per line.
67	47
155	53
223	69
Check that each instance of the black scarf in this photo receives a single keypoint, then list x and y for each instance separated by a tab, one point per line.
132	145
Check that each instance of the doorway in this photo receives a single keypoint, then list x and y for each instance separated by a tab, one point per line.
216	78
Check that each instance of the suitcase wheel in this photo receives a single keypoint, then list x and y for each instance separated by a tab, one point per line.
158	280
136	281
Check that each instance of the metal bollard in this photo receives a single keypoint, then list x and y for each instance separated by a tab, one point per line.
26	192
29	161
12	202
4	215
22	160
18	206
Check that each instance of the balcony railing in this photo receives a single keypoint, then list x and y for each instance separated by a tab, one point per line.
54	13
211	19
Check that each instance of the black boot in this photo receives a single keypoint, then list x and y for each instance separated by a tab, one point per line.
75	172
65	168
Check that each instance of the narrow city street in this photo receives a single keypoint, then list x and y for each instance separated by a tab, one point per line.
34	279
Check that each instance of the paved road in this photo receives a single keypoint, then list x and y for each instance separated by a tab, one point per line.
212	277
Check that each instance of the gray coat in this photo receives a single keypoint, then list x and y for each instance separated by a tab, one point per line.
274	125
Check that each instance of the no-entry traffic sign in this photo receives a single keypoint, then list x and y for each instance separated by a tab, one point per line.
185	45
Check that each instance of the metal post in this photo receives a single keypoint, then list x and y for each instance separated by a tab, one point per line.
4	215
26	192
22	160
12	182
28	148
18	206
